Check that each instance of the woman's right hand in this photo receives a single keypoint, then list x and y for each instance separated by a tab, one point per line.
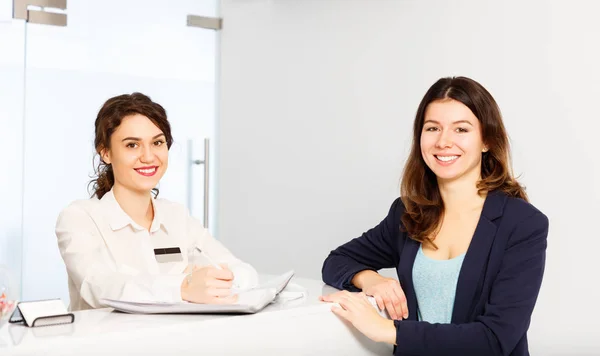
387	292
209	285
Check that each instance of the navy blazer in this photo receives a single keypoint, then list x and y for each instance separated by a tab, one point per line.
497	286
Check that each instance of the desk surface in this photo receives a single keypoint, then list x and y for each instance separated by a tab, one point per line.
297	327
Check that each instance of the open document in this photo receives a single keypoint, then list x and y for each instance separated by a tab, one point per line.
250	301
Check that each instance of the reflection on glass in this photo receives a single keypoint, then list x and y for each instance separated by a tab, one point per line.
7	298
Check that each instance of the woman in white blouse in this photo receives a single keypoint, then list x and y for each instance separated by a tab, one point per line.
126	244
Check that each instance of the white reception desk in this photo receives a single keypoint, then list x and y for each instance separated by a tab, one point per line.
299	327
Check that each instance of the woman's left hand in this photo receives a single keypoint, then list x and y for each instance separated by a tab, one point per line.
356	308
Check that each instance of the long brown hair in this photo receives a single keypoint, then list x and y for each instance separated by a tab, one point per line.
109	118
420	193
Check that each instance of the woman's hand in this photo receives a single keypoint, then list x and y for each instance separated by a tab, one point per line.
387	293
356	309
208	285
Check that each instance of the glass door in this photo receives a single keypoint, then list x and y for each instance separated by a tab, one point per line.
12	71
109	47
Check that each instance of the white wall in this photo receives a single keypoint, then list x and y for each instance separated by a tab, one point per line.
318	97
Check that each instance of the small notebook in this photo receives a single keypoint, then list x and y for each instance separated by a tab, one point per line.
42	313
249	301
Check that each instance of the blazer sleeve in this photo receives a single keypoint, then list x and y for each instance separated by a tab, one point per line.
376	249
94	273
244	275
507	313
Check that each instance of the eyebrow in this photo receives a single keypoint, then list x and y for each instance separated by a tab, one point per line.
139	139
454	123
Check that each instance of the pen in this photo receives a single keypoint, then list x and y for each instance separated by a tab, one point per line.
215	265
209	259
191	261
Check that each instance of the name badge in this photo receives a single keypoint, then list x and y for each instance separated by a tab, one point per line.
169	254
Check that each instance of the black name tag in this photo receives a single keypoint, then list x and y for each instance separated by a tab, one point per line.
168	254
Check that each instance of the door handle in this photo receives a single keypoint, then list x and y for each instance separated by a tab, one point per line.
197	162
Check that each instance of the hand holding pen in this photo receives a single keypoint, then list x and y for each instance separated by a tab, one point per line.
208	285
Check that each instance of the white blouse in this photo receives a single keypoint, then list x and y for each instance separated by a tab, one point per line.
108	255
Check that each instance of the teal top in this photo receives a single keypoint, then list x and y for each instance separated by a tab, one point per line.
435	286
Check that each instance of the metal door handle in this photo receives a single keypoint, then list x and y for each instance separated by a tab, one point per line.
196	162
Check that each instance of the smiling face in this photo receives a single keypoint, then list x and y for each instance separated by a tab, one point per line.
451	142
138	154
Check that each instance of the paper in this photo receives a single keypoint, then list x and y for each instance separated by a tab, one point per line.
278	283
249	301
383	312
292	292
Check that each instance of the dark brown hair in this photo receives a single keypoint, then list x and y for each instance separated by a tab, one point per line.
420	194
109	118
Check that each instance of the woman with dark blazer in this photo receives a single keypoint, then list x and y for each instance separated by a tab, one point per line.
468	247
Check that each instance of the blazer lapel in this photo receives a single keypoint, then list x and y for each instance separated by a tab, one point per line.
475	262
407	260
